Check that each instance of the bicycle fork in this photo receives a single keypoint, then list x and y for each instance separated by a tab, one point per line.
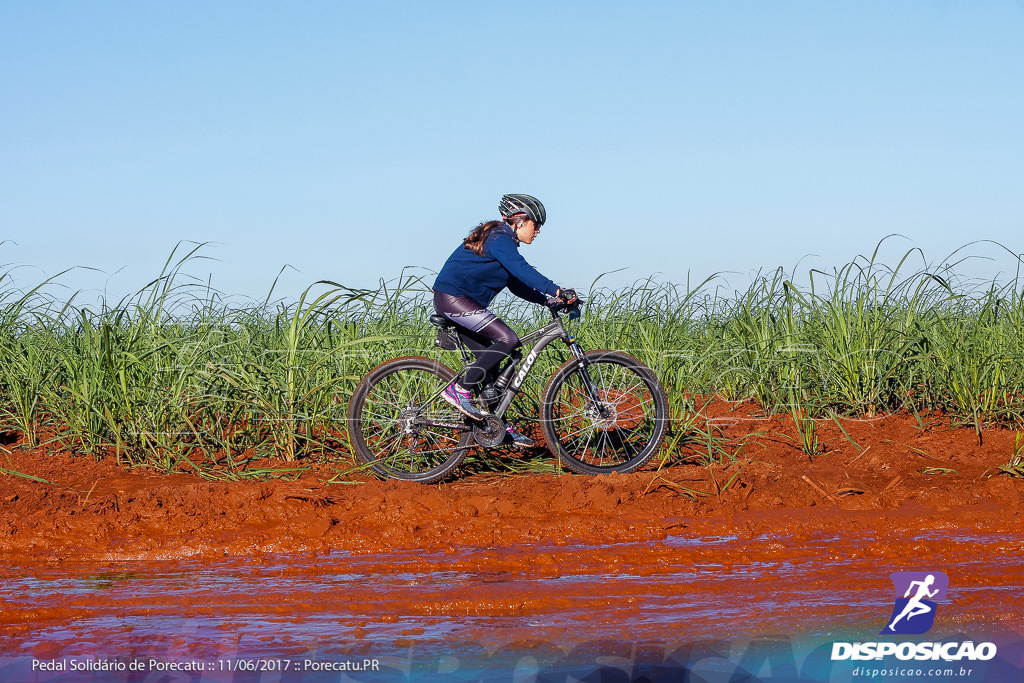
588	384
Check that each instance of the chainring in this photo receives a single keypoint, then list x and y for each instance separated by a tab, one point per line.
490	431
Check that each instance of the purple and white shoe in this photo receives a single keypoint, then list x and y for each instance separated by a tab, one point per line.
463	401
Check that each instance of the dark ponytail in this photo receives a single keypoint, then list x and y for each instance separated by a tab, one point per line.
476	239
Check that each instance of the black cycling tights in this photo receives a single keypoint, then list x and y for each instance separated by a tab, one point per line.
484	333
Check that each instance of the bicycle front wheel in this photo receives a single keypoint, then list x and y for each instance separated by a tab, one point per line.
401	427
609	415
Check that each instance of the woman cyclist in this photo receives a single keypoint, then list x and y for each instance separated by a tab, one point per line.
484	264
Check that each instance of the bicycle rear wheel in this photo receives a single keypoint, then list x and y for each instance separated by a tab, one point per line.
401	426
619	431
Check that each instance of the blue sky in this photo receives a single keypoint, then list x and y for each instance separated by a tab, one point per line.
349	140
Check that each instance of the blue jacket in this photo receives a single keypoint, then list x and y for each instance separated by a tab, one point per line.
482	277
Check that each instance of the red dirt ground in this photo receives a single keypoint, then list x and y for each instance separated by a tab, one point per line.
899	479
937	475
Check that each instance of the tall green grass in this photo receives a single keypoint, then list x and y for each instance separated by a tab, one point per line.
175	377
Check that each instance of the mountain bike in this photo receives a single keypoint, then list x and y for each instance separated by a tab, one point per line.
601	411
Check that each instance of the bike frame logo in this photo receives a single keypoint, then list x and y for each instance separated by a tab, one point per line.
917	595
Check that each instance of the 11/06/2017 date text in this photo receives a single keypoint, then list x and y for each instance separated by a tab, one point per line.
297	665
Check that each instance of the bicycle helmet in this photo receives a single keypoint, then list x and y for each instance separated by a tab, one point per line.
512	205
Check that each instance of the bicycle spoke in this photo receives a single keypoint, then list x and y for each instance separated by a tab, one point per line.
623	427
393	415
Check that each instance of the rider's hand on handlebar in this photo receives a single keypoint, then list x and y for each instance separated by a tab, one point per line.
565	299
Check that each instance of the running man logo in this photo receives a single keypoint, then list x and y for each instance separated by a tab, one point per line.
916	596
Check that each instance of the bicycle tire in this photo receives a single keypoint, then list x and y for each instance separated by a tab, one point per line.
633	425
380	418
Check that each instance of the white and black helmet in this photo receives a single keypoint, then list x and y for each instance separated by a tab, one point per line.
513	205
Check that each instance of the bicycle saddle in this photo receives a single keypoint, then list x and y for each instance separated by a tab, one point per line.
440	320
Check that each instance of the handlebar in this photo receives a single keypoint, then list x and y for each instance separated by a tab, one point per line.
559	305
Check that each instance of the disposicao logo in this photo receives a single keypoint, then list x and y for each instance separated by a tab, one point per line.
917	595
917	598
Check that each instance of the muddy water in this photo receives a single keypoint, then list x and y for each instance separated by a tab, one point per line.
425	611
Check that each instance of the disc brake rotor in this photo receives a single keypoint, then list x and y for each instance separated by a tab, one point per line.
622	410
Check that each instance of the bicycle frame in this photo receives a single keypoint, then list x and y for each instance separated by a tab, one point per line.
541	338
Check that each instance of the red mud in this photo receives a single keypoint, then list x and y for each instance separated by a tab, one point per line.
671	552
